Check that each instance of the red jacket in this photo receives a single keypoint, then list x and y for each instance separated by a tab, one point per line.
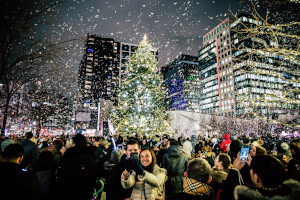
224	144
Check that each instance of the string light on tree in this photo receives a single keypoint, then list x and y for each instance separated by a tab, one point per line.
142	108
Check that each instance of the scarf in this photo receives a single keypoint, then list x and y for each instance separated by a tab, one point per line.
194	187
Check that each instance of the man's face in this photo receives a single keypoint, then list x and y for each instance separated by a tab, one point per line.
134	148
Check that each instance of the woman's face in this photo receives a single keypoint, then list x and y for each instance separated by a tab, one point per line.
285	159
217	163
253	152
144	142
146	158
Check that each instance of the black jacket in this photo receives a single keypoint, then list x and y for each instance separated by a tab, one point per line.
292	165
175	162
17	184
31	151
114	189
77	174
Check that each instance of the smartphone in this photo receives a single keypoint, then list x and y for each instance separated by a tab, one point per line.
120	147
244	153
134	156
274	150
203	156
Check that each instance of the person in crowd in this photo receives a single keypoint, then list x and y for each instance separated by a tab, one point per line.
102	154
78	172
113	183
43	146
224	144
31	151
187	146
246	141
196	182
199	146
57	145
5	143
18	141
220	171
215	146
44	168
257	150
175	162
234	148
209	156
15	183
145	176
268	176
162	150
294	164
284	160
144	144
116	156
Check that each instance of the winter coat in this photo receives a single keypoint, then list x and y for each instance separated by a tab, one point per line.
187	146
16	184
57	156
292	165
113	183
150	184
31	151
288	191
217	177
175	162
77	173
224	144
48	183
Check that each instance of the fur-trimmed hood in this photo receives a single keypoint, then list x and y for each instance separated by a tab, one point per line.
290	190
218	175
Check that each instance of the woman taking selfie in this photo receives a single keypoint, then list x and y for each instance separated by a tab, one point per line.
146	178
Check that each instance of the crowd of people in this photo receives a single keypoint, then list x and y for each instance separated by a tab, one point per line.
144	168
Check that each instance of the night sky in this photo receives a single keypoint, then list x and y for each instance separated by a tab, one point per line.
174	27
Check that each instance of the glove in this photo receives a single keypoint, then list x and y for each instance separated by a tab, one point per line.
129	163
137	167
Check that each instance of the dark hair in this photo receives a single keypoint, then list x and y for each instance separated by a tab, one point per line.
295	146
132	142
199	169
269	169
79	140
173	142
28	135
12	151
150	168
45	144
260	150
45	161
226	161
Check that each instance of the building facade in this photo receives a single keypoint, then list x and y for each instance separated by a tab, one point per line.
182	79
240	76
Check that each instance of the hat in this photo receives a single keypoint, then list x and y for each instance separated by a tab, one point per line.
246	140
57	144
5	143
105	142
116	156
214	140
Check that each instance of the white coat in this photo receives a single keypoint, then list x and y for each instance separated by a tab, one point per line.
150	184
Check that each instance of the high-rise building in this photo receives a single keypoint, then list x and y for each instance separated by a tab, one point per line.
237	71
101	68
182	79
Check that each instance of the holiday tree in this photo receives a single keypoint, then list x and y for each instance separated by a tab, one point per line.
141	99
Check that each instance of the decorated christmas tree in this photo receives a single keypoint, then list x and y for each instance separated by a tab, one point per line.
141	105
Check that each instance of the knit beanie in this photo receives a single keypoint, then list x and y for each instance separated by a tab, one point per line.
5	143
116	156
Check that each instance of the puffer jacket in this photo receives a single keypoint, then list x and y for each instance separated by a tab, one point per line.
150	184
31	152
175	162
224	144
